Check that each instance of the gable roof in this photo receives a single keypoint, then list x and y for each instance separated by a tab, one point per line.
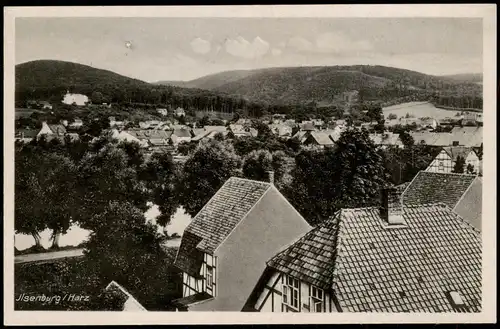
131	304
182	132
321	138
215	221
148	134
431	187
386	139
57	129
372	268
455	151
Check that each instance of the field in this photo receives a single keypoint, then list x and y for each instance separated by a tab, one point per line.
419	110
23	113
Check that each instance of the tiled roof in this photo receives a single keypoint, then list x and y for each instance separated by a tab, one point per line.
432	187
386	139
58	129
182	132
455	151
149	134
217	219
322	138
374	268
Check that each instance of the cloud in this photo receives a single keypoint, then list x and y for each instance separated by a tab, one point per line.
300	44
183	60
276	51
240	47
200	46
334	42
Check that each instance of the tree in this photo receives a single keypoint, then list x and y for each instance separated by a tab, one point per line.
406	139
29	217
392	116
470	169
128	250
459	166
257	164
104	175
160	176
204	172
350	175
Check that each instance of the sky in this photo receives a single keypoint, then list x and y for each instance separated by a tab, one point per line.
153	49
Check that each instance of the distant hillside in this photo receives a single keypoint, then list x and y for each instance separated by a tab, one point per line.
466	77
211	81
323	84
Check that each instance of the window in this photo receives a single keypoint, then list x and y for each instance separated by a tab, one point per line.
210	276
291	292
441	166
316	299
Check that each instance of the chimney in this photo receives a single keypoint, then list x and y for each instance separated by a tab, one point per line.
270	175
392	208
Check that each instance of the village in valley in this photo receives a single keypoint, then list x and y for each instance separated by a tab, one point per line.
357	197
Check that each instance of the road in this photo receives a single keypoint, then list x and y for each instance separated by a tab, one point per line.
45	256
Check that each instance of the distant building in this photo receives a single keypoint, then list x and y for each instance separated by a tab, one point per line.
393	258
180	112
319	139
51	131
386	139
242	130
26	135
78	99
162	111
446	159
223	253
77	124
46	105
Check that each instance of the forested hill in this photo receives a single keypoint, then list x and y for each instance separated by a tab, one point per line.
256	91
322	84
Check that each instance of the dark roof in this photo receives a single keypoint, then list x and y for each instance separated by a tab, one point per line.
217	219
432	187
455	151
182	132
189	258
26	133
372	268
149	134
58	129
186	301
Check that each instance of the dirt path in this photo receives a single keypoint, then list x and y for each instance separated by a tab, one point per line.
48	256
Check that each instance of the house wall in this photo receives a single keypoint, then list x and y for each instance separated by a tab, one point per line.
192	285
473	160
271	297
445	159
448	164
269	226
45	130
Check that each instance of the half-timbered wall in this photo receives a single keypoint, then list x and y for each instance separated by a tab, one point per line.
441	164
444	164
192	285
304	298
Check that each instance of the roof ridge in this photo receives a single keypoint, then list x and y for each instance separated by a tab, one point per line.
338	248
249	180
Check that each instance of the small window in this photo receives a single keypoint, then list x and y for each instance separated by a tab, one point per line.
210	276
441	166
456	299
317	299
291	292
